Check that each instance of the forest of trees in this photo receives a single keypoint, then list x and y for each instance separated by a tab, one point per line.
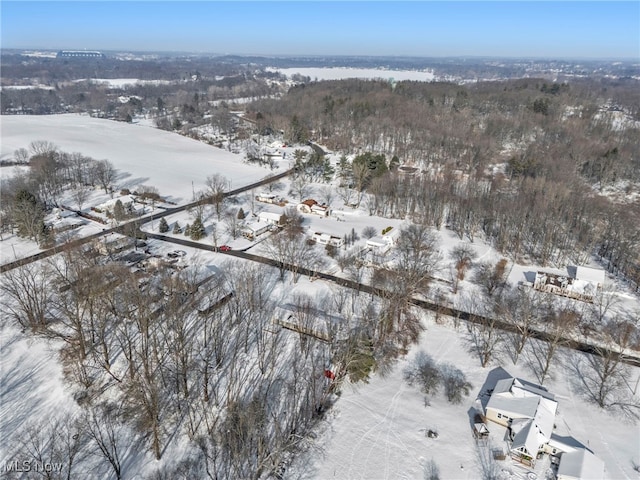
523	163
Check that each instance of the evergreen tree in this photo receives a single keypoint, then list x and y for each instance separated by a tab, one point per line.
241	214
327	171
197	229
176	228
345	172
187	230
119	212
46	238
164	226
377	164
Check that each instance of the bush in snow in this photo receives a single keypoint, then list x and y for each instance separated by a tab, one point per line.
424	372
455	383
164	226
369	232
427	374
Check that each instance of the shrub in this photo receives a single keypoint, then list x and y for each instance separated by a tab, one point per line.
368	232
455	383
164	226
424	372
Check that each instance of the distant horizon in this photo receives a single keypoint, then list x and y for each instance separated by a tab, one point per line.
320	55
544	30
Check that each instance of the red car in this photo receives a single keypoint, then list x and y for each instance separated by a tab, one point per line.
224	248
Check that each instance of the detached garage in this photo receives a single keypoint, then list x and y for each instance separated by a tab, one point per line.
580	465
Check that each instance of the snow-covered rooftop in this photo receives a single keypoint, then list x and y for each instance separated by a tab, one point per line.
588	274
581	464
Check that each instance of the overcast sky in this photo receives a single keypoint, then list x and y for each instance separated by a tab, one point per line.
567	30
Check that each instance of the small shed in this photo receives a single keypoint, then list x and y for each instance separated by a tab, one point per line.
480	431
580	465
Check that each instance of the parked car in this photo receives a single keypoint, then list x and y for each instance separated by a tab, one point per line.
224	248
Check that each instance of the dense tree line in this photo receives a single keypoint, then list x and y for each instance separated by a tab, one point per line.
27	196
522	162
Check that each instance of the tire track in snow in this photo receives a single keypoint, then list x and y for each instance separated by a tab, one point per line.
373	429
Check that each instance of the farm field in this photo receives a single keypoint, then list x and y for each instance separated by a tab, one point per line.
174	164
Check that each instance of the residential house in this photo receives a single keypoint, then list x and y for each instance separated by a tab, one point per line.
271	218
252	230
312	206
581	284
327	239
268	198
528	411
128	202
381	244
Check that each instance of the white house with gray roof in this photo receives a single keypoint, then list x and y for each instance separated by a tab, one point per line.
528	410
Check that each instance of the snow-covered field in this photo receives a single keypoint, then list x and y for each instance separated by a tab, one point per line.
122	82
339	73
377	430
174	164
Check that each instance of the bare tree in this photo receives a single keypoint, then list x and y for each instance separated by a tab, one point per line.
300	187
81	195
327	194
217	185
491	277
522	310
109	438
483	334
603	376
27	296
21	155
604	301
42	147
361	175
416	261
53	447
557	327
369	232
149	193
105	173
463	256
232	223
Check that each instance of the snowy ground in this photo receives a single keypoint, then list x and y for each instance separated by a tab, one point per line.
377	430
174	164
338	73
